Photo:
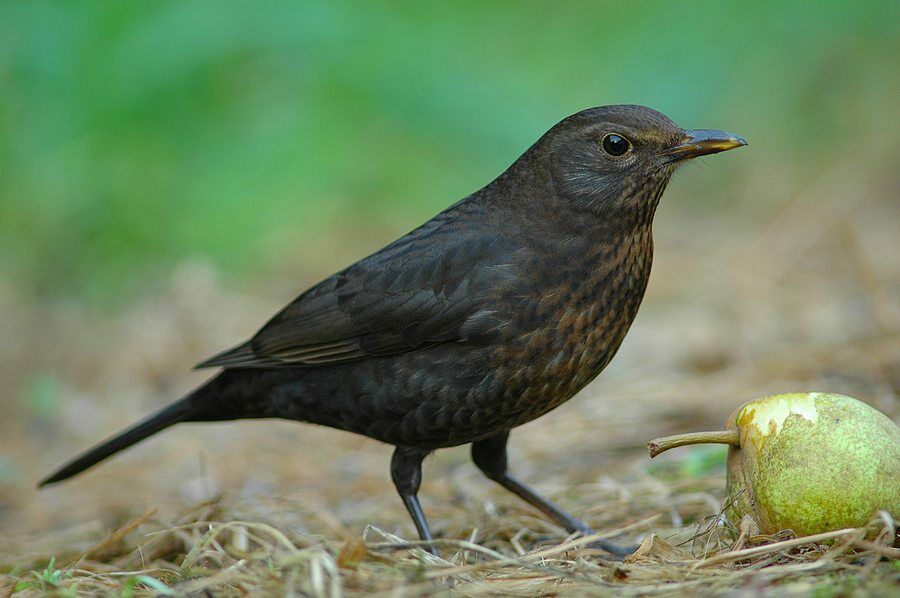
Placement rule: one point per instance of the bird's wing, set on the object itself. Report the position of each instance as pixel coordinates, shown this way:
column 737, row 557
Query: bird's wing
column 428, row 287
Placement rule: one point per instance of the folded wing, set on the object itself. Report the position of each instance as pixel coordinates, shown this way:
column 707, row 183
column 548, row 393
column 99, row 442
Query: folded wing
column 431, row 286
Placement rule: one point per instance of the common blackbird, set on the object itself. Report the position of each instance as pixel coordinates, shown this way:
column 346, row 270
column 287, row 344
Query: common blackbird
column 492, row 313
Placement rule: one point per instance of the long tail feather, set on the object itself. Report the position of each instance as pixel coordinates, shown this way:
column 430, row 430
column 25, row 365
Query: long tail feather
column 174, row 413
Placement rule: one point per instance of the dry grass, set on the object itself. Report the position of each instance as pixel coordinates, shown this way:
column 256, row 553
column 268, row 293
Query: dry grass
column 747, row 304
column 204, row 550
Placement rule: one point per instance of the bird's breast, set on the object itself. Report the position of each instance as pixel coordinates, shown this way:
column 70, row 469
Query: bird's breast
column 568, row 333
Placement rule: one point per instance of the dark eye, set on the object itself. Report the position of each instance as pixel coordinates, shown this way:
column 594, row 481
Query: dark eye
column 615, row 145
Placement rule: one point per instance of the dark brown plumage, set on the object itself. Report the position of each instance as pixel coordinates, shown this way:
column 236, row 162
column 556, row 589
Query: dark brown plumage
column 489, row 315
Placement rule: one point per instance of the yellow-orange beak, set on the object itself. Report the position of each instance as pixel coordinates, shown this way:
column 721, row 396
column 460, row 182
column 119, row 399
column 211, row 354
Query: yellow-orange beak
column 702, row 142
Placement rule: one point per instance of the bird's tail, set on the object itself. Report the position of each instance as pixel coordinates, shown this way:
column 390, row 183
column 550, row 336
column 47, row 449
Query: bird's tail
column 189, row 408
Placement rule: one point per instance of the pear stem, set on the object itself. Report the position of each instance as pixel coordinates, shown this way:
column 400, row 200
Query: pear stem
column 661, row 445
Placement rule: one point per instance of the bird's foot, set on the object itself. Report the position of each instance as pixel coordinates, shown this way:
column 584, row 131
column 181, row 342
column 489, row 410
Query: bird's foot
column 618, row 551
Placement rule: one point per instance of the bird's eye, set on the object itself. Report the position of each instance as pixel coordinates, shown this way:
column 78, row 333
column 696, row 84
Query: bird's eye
column 615, row 145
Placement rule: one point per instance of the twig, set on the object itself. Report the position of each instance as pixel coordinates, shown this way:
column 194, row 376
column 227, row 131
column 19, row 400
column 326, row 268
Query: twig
column 736, row 555
column 661, row 445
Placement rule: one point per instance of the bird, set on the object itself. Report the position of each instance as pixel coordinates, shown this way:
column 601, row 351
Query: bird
column 494, row 312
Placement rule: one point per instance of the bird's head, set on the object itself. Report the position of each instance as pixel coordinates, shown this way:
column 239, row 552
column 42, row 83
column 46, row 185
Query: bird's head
column 622, row 156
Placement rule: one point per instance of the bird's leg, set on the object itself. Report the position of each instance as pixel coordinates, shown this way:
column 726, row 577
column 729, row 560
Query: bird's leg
column 490, row 457
column 406, row 471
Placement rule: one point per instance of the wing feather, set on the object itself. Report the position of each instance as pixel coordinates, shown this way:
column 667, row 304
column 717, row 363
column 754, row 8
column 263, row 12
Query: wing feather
column 417, row 292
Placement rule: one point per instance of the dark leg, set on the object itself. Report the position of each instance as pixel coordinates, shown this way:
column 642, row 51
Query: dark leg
column 490, row 457
column 406, row 471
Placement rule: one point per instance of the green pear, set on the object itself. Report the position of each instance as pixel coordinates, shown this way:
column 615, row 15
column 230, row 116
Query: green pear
column 808, row 462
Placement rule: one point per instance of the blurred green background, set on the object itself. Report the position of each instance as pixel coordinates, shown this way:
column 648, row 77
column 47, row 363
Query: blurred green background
column 135, row 134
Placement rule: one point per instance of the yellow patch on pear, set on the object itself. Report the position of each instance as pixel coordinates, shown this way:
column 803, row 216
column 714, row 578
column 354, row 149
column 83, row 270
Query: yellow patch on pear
column 766, row 416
